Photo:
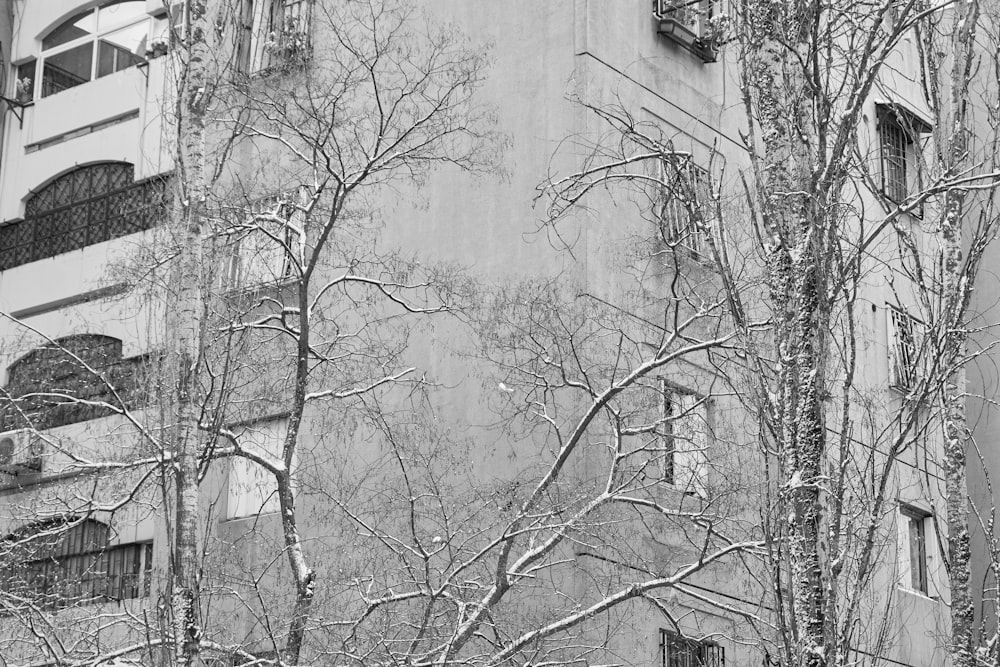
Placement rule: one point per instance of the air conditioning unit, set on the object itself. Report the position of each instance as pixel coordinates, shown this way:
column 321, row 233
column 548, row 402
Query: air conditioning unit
column 21, row 452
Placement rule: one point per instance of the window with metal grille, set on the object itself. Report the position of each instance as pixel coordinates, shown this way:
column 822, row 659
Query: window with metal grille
column 904, row 348
column 71, row 380
column 692, row 14
column 88, row 205
column 900, row 154
column 686, row 204
column 894, row 143
column 67, row 563
column 678, row 651
column 273, row 34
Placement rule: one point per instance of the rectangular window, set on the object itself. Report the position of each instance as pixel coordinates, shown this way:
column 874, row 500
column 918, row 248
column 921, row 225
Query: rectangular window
column 678, row 651
column 899, row 152
column 913, row 547
column 692, row 14
column 252, row 488
column 260, row 249
column 100, row 41
column 113, row 573
column 272, row 34
column 684, row 435
column 686, row 205
column 904, row 349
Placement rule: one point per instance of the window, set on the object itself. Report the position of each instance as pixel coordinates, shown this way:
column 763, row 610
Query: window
column 913, row 548
column 904, row 349
column 55, row 368
column 252, row 489
column 259, row 248
column 899, row 150
column 94, row 43
column 678, row 651
column 68, row 562
column 85, row 206
column 690, row 24
column 686, row 204
column 272, row 34
column 684, row 435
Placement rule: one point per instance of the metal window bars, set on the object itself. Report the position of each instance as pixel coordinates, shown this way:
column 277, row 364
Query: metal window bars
column 102, row 216
column 686, row 201
column 678, row 651
column 692, row 14
column 894, row 141
column 63, row 567
column 904, row 343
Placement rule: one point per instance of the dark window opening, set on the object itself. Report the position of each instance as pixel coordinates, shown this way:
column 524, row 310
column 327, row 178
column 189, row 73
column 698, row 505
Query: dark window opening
column 68, row 562
column 678, row 651
column 52, row 385
column 916, row 536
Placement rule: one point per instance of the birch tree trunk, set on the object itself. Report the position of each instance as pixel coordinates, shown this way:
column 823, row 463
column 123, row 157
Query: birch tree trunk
column 184, row 322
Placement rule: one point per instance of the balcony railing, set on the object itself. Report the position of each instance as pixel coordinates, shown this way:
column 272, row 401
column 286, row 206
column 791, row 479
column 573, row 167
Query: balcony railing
column 134, row 208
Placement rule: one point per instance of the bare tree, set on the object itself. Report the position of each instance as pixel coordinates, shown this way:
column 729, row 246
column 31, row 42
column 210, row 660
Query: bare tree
column 821, row 216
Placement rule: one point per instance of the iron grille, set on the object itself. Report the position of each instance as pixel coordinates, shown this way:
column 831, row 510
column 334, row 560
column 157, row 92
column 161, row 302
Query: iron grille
column 692, row 14
column 52, row 226
column 678, row 651
column 894, row 140
column 74, row 578
column 903, row 331
column 686, row 198
column 29, row 401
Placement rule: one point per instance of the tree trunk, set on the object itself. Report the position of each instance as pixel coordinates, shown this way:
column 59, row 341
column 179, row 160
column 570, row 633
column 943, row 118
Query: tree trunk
column 184, row 342
column 798, row 245
column 956, row 292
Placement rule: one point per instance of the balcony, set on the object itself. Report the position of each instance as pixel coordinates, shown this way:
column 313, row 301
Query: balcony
column 130, row 209
column 690, row 24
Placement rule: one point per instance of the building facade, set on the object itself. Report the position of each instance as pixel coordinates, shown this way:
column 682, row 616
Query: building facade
column 582, row 473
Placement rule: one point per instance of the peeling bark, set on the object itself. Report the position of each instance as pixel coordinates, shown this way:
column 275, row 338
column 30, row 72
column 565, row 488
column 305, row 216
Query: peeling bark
column 184, row 333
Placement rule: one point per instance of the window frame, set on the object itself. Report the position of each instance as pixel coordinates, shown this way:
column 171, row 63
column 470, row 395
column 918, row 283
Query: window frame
column 900, row 165
column 95, row 38
column 917, row 555
column 676, row 650
column 245, row 238
column 684, row 183
column 261, row 47
column 79, row 556
column 685, row 436
column 904, row 340
column 254, row 477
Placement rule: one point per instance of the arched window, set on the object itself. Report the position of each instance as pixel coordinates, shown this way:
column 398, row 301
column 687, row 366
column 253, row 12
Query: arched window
column 79, row 185
column 67, row 561
column 94, row 43
column 85, row 206
column 50, row 387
